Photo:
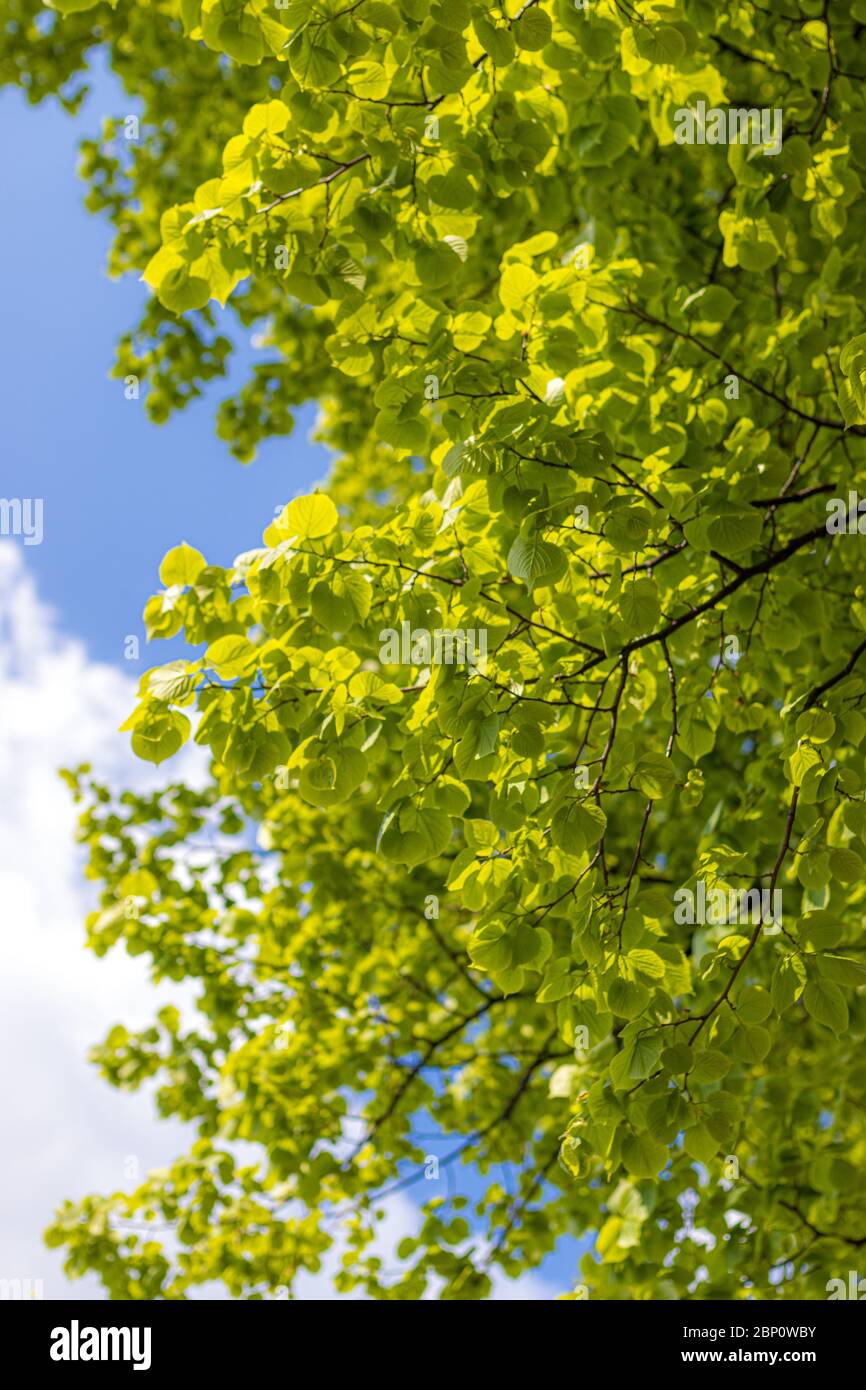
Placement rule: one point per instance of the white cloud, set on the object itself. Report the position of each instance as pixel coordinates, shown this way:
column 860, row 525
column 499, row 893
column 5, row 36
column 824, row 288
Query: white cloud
column 68, row 1132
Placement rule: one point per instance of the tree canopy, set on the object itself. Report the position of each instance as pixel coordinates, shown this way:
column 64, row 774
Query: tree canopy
column 589, row 390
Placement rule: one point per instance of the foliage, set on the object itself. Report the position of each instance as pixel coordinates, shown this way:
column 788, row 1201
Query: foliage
column 590, row 390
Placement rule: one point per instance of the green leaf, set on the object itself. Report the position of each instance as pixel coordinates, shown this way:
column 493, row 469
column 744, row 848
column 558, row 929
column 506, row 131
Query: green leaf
column 172, row 682
column 695, row 738
column 424, row 833
column 660, row 44
column 642, row 1156
column 817, row 725
column 232, row 656
column 535, row 562
column 642, row 1056
column 754, row 1004
column 678, row 1058
column 699, row 1143
column 735, row 531
column 802, row 759
column 626, row 998
column 712, row 304
column 481, row 835
column 825, row 1002
column 788, row 979
column 846, row 865
column 654, row 776
column 182, row 565
column 577, row 826
column 160, row 736
column 639, row 606
column 647, row 962
column 751, row 1044
column 710, row 1065
column 308, row 518
column 533, row 30
column 627, row 528
column 842, row 970
column 180, row 290
column 350, row 768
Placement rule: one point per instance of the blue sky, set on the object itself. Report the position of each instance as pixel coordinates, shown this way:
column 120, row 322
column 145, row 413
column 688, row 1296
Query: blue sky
column 118, row 492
